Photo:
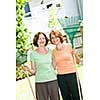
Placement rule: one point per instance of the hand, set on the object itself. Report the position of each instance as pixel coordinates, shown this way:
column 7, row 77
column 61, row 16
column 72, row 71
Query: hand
column 25, row 68
column 73, row 51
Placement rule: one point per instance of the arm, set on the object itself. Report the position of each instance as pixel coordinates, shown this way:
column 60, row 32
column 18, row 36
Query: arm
column 32, row 70
column 77, row 58
column 53, row 62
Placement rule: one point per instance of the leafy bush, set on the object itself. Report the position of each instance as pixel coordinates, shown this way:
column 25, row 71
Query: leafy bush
column 22, row 35
column 19, row 73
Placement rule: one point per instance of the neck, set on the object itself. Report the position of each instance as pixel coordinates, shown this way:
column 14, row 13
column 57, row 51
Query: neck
column 42, row 50
column 59, row 46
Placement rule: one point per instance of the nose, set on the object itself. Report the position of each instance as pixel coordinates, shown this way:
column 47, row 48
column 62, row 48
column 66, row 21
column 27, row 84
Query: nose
column 42, row 39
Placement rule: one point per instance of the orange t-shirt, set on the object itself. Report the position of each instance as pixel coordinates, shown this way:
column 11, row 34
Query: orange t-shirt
column 64, row 60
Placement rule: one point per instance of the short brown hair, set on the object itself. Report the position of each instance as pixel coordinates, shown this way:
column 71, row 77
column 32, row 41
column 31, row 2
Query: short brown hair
column 57, row 34
column 36, row 37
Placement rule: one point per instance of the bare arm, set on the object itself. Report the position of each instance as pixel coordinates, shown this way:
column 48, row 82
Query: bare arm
column 32, row 70
column 53, row 62
column 77, row 58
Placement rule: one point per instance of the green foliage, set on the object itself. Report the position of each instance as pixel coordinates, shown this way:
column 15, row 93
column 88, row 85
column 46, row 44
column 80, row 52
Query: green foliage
column 21, row 2
column 21, row 31
column 22, row 35
column 19, row 73
column 53, row 22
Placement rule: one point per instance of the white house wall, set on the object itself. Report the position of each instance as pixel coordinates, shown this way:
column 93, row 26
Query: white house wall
column 71, row 7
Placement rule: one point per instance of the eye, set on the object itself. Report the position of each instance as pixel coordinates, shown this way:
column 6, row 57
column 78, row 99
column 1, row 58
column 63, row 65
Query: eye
column 52, row 37
column 43, row 38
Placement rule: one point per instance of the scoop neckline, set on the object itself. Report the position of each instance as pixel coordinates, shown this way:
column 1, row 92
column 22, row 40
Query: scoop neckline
column 42, row 54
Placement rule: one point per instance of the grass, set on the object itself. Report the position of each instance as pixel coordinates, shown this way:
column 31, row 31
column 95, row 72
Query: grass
column 23, row 90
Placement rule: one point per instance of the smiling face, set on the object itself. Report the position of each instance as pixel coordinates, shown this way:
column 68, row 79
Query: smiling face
column 55, row 40
column 41, row 40
column 56, row 37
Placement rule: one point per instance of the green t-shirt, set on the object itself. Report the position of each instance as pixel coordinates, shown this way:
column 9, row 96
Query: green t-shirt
column 44, row 69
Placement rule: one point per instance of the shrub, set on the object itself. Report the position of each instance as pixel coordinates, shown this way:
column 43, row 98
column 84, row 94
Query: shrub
column 22, row 43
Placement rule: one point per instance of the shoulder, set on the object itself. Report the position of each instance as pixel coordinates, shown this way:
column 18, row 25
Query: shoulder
column 32, row 52
column 54, row 50
column 50, row 50
column 67, row 45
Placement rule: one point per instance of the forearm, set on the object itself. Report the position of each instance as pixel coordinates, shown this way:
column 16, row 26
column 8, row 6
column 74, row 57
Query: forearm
column 54, row 62
column 32, row 71
column 54, row 67
column 77, row 58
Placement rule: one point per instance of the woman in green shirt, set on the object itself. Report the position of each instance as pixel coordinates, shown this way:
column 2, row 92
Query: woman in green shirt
column 41, row 66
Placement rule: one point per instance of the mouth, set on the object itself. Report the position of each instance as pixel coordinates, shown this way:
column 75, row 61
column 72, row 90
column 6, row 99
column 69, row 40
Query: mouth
column 41, row 42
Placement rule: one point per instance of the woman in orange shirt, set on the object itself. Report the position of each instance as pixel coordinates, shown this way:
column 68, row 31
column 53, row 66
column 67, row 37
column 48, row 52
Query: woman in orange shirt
column 65, row 65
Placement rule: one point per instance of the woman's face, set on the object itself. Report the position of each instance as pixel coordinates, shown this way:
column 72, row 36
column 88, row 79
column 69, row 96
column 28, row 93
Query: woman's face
column 41, row 40
column 55, row 40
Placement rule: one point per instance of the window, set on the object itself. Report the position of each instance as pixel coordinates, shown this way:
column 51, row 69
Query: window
column 27, row 10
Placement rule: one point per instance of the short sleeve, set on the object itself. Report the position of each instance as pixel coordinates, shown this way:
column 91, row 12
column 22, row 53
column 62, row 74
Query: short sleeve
column 50, row 50
column 32, row 56
column 69, row 47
